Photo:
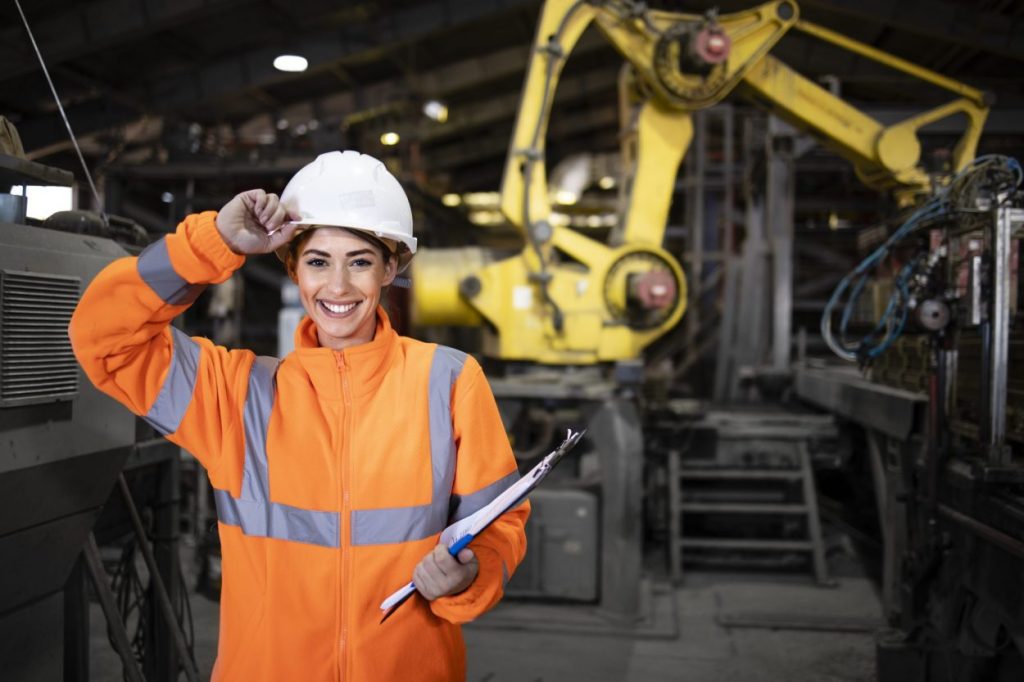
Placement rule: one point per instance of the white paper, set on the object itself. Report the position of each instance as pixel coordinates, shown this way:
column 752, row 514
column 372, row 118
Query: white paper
column 475, row 523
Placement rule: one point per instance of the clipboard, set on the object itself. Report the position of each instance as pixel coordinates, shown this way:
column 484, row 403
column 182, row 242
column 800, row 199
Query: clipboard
column 458, row 535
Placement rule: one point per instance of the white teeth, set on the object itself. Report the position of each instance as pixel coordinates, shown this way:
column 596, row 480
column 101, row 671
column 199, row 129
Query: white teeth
column 338, row 308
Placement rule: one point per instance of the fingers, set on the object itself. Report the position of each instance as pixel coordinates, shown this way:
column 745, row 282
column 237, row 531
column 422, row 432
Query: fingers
column 273, row 213
column 439, row 573
column 282, row 236
column 253, row 200
column 265, row 209
column 427, row 580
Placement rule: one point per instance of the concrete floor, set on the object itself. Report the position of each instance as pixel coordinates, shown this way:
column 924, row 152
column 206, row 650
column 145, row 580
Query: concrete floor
column 703, row 650
column 697, row 648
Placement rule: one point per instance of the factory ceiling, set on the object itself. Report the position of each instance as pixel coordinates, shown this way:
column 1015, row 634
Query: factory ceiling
column 163, row 92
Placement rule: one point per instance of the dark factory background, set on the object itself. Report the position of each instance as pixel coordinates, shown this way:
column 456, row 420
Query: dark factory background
column 768, row 255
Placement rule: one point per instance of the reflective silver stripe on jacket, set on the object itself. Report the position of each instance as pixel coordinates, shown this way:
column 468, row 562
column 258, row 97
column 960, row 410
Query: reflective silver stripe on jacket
column 180, row 383
column 155, row 269
column 402, row 524
column 252, row 510
column 467, row 505
column 258, row 516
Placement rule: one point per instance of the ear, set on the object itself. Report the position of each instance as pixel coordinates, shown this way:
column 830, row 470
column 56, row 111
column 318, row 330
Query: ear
column 390, row 270
column 289, row 267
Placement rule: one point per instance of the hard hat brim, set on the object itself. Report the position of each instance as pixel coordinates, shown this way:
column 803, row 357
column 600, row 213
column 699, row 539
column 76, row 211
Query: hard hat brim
column 410, row 242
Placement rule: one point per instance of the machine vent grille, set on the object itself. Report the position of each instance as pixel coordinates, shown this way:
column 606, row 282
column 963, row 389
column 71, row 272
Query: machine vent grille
column 36, row 362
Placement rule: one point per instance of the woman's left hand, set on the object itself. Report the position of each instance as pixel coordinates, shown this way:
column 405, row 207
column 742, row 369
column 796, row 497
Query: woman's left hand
column 439, row 574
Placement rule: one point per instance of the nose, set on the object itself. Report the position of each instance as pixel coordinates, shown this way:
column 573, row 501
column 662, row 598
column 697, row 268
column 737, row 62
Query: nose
column 339, row 282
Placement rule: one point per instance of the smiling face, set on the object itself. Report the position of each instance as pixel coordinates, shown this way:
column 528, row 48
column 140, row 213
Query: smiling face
column 340, row 277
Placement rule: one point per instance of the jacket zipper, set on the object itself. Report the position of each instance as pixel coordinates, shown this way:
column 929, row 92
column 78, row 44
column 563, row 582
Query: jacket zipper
column 346, row 530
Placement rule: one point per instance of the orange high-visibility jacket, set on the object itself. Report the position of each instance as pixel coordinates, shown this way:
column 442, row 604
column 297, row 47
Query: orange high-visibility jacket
column 334, row 471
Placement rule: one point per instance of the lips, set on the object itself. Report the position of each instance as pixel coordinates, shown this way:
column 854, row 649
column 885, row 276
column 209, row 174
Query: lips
column 337, row 309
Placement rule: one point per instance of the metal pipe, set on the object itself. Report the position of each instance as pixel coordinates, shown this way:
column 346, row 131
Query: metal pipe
column 996, row 537
column 163, row 600
column 999, row 324
column 119, row 635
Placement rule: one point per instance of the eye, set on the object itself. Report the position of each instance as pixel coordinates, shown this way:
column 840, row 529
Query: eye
column 362, row 262
column 316, row 262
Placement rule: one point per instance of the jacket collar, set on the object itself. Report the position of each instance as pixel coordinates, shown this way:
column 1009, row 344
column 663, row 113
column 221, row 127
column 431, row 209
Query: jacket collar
column 365, row 364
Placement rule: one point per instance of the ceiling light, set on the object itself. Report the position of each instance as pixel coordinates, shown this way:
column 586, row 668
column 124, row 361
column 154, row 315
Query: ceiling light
column 482, row 199
column 566, row 197
column 389, row 139
column 451, row 199
column 436, row 111
column 291, row 63
column 606, row 182
column 486, row 217
column 167, row 198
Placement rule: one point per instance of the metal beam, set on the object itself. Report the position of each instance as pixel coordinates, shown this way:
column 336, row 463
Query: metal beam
column 255, row 68
column 469, row 74
column 950, row 22
column 252, row 72
column 90, row 27
column 504, row 107
column 496, row 146
column 91, row 116
column 207, row 169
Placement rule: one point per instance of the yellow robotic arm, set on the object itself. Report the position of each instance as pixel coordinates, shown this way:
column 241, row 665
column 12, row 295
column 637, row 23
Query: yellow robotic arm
column 569, row 299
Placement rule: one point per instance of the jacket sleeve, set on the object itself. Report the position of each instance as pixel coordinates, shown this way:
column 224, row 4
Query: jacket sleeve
column 485, row 467
column 189, row 389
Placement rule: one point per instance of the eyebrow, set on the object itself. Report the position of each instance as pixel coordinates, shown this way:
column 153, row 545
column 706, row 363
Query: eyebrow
column 318, row 252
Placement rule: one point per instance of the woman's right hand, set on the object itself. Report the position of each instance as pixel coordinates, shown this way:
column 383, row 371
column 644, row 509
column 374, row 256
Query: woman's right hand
column 255, row 222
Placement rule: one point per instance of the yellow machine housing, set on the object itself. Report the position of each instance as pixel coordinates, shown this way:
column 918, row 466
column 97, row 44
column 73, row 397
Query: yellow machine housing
column 566, row 297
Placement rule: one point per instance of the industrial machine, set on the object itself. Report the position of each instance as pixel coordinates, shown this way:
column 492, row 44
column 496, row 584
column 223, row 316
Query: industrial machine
column 568, row 318
column 941, row 419
column 568, row 299
column 63, row 442
column 64, row 448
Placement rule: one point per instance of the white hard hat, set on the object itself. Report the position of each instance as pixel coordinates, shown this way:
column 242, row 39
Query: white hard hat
column 355, row 191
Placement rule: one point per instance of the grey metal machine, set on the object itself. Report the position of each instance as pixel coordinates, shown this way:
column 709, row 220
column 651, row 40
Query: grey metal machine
column 63, row 444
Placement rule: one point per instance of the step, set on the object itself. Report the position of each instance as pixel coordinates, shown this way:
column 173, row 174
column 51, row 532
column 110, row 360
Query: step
column 745, row 544
column 742, row 508
column 721, row 474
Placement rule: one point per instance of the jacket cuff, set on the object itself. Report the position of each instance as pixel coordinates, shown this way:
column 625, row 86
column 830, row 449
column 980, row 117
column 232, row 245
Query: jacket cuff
column 199, row 253
column 483, row 593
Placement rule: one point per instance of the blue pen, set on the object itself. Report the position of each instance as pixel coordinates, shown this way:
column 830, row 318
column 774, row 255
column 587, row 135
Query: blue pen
column 453, row 550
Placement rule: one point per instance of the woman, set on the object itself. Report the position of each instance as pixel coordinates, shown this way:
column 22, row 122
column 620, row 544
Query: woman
column 334, row 469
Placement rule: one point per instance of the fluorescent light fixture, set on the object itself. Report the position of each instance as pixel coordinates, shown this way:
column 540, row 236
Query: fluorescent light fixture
column 44, row 200
column 486, row 217
column 451, row 199
column 436, row 111
column 292, row 63
column 559, row 219
column 482, row 199
column 565, row 197
column 389, row 139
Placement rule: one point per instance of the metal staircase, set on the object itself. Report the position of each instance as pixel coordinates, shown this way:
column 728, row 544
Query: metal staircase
column 761, row 513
